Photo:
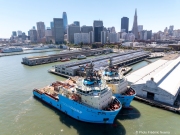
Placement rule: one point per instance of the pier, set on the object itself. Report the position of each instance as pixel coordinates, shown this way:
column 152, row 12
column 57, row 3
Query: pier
column 175, row 109
column 33, row 61
column 118, row 59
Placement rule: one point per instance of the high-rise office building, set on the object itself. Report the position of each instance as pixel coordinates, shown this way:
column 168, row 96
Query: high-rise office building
column 125, row 24
column 91, row 37
column 23, row 36
column 52, row 25
column 65, row 22
column 111, row 29
column 58, row 30
column 40, row 30
column 48, row 34
column 77, row 23
column 81, row 37
column 97, row 34
column 86, row 29
column 149, row 35
column 135, row 26
column 140, row 28
column 113, row 37
column 33, row 35
column 14, row 34
column 97, row 23
column 103, row 37
column 171, row 28
column 19, row 33
column 97, row 28
column 70, row 32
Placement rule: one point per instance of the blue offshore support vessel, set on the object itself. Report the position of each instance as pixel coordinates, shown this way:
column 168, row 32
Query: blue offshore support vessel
column 118, row 84
column 86, row 99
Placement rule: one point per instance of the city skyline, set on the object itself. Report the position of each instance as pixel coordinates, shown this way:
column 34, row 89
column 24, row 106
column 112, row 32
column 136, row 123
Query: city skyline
column 147, row 16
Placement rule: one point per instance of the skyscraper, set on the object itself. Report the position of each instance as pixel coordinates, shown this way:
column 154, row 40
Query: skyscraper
column 140, row 28
column 125, row 24
column 52, row 25
column 14, row 33
column 58, row 30
column 86, row 29
column 65, row 22
column 97, row 27
column 33, row 35
column 135, row 26
column 70, row 32
column 40, row 30
column 103, row 37
column 77, row 23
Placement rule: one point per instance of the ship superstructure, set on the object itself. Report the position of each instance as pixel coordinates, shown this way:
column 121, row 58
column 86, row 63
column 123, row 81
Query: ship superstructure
column 86, row 99
column 118, row 84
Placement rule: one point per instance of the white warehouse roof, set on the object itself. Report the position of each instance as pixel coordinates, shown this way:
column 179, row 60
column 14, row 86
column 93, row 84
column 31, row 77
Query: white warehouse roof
column 165, row 74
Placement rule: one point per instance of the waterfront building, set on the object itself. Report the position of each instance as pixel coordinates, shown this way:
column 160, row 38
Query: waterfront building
column 14, row 34
column 58, row 31
column 103, row 37
column 77, row 23
column 65, row 22
column 158, row 80
column 135, row 26
column 125, row 24
column 140, row 28
column 86, row 29
column 70, row 32
column 81, row 37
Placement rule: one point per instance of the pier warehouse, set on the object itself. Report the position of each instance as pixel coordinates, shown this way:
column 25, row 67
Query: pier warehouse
column 159, row 80
column 120, row 59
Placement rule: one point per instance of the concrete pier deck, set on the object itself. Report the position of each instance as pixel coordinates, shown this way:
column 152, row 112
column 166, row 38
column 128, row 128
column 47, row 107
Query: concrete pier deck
column 118, row 59
column 33, row 61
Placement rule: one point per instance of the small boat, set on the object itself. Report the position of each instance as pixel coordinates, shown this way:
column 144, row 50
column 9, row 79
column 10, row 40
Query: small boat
column 65, row 59
column 81, row 57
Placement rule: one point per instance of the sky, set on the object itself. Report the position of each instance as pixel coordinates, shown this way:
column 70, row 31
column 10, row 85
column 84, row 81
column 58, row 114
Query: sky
column 154, row 15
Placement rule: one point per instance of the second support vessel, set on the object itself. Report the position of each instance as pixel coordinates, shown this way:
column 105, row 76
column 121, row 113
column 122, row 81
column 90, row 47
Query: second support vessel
column 118, row 83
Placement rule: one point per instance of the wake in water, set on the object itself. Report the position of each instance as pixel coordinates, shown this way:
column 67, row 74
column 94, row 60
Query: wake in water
column 25, row 108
